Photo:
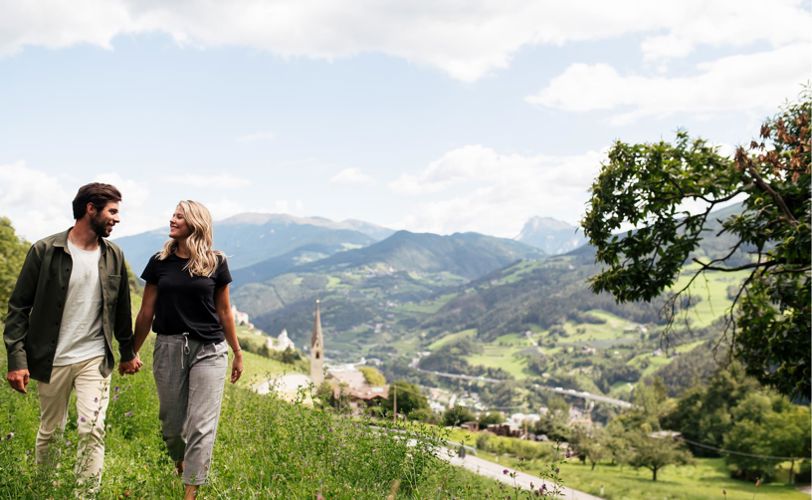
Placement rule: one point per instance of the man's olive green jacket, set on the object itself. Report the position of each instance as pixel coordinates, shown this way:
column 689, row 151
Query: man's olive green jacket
column 37, row 302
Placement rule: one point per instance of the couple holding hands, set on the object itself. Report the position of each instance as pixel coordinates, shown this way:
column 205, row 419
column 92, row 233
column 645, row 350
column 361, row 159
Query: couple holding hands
column 72, row 296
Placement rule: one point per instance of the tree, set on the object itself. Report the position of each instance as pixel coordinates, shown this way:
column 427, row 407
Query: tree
column 408, row 395
column 490, row 418
column 590, row 444
column 655, row 452
column 704, row 413
column 457, row 415
column 768, row 430
column 372, row 375
column 645, row 186
column 12, row 255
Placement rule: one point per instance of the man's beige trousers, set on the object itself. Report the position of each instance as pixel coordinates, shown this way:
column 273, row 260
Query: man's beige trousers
column 92, row 397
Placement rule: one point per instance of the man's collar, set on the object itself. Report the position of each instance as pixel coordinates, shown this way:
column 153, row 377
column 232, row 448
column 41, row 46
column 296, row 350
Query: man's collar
column 61, row 240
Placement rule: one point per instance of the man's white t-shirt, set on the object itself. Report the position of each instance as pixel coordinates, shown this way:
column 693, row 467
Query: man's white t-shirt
column 80, row 335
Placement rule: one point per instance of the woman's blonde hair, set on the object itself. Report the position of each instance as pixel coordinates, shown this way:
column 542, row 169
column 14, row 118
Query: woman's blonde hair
column 203, row 260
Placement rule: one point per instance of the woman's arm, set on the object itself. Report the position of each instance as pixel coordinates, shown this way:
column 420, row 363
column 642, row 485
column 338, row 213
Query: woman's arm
column 143, row 322
column 223, row 305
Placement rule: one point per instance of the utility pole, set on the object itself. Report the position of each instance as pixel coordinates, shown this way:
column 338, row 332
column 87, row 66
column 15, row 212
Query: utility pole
column 395, row 406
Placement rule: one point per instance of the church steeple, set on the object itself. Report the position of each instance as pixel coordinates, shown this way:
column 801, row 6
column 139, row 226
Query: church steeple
column 317, row 350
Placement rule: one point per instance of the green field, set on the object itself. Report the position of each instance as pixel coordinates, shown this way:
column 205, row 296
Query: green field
column 451, row 338
column 711, row 288
column 504, row 357
column 704, row 480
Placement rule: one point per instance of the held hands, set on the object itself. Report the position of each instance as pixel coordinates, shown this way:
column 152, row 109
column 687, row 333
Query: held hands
column 130, row 367
column 18, row 380
column 236, row 367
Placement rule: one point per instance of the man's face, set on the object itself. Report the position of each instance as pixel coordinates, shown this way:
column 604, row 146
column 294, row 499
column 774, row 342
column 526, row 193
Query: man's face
column 103, row 221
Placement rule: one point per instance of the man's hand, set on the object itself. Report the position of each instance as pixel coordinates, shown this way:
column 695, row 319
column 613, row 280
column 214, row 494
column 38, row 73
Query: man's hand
column 18, row 380
column 130, row 367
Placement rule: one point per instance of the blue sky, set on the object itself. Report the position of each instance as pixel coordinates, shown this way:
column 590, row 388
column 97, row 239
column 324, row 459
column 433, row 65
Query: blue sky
column 437, row 116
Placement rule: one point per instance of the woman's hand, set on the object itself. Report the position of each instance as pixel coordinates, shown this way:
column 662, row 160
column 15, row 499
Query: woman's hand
column 236, row 367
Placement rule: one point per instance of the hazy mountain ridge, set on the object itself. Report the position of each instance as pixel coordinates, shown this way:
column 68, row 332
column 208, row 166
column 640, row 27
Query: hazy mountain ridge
column 251, row 238
column 551, row 235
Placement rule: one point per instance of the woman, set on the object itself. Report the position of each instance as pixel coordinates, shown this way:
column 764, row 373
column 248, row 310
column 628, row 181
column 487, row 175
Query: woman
column 186, row 302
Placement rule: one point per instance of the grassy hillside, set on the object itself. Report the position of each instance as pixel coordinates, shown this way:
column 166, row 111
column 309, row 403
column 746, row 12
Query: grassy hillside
column 265, row 449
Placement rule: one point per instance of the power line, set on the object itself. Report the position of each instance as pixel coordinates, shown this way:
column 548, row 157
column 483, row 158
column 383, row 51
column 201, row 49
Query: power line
column 731, row 452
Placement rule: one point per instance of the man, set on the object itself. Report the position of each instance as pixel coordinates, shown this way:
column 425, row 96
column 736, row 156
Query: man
column 71, row 297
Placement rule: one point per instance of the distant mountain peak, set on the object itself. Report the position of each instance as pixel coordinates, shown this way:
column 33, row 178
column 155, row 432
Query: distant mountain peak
column 551, row 235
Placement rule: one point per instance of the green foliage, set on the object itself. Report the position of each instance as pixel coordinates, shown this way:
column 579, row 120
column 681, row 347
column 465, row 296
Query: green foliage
column 654, row 453
column 458, row 415
column 591, row 444
column 424, row 415
column 490, row 418
column 409, row 398
column 12, row 255
column 766, row 425
column 704, row 414
column 519, row 448
column 734, row 413
column 372, row 375
column 645, row 186
column 265, row 448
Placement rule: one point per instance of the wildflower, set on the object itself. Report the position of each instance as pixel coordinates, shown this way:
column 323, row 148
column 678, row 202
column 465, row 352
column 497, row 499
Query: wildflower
column 115, row 398
column 128, row 414
column 117, row 388
column 319, row 496
column 504, row 471
column 82, row 419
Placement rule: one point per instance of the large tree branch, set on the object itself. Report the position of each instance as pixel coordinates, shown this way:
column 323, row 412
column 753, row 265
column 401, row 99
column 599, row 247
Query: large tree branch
column 752, row 265
column 763, row 185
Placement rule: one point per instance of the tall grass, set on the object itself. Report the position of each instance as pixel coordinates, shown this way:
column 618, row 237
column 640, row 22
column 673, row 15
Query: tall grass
column 265, row 448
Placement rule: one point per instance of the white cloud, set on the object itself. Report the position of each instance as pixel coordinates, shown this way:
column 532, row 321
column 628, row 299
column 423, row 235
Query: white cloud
column 36, row 202
column 758, row 82
column 262, row 135
column 486, row 191
column 466, row 40
column 137, row 213
column 352, row 177
column 218, row 181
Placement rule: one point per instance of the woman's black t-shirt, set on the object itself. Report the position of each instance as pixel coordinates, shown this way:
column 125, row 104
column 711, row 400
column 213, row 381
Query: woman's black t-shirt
column 186, row 303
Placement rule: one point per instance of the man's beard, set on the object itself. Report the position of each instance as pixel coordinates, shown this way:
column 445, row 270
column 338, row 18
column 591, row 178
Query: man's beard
column 99, row 226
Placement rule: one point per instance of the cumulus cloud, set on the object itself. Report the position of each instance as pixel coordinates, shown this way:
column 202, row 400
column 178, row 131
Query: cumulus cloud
column 758, row 82
column 465, row 40
column 352, row 177
column 36, row 203
column 39, row 203
column 475, row 188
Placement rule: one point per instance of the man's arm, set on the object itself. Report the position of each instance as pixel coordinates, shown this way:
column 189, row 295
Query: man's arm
column 17, row 321
column 123, row 328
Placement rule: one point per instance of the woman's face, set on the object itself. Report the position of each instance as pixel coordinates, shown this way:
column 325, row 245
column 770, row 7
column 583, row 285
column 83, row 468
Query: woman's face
column 178, row 227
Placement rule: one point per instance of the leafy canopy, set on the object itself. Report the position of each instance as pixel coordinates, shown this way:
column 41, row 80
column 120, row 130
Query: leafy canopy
column 12, row 255
column 646, row 187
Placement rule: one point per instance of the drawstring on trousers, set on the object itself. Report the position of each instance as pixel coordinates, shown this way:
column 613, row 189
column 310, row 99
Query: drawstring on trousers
column 185, row 350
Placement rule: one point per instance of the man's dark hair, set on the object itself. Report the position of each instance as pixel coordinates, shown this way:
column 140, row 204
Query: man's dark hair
column 98, row 194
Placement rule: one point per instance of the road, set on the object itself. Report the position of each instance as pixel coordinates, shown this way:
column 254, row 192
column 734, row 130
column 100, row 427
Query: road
column 495, row 471
column 566, row 392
